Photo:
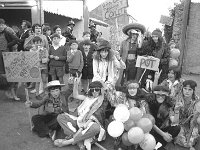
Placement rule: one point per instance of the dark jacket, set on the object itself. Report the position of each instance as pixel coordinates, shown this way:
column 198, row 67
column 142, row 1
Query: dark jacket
column 11, row 39
column 45, row 108
column 22, row 37
column 87, row 71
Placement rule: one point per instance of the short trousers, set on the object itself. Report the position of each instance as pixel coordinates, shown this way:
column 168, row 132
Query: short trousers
column 56, row 71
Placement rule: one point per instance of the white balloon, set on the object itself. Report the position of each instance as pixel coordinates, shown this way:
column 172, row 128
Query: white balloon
column 135, row 135
column 115, row 128
column 121, row 113
column 149, row 142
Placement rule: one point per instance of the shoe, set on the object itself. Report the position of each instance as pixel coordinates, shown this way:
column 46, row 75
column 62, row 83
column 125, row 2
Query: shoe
column 38, row 97
column 52, row 135
column 33, row 91
column 16, row 98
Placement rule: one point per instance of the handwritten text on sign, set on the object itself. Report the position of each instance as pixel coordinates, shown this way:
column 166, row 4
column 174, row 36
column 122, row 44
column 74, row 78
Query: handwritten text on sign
column 148, row 62
column 113, row 8
column 22, row 66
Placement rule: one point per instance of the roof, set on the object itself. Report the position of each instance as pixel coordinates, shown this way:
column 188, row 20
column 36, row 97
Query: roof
column 65, row 8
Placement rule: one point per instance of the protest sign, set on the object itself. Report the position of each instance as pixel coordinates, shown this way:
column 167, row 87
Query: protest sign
column 22, row 66
column 113, row 8
column 166, row 20
column 148, row 62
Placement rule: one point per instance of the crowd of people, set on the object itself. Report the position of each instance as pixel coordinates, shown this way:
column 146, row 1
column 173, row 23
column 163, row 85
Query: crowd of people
column 103, row 73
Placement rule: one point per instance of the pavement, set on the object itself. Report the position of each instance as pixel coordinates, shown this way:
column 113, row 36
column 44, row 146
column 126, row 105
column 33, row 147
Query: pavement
column 15, row 133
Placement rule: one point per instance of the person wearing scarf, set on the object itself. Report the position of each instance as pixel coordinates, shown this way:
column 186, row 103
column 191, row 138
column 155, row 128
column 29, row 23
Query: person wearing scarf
column 186, row 113
column 83, row 129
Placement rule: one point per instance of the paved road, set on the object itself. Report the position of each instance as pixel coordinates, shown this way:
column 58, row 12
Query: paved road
column 15, row 131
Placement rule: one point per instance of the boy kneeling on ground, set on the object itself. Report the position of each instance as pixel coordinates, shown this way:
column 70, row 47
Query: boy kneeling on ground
column 45, row 124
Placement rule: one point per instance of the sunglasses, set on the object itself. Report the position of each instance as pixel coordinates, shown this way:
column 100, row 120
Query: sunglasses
column 95, row 89
column 161, row 95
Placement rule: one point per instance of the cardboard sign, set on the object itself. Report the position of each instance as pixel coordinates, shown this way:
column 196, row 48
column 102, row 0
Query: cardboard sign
column 22, row 66
column 113, row 8
column 148, row 62
column 166, row 20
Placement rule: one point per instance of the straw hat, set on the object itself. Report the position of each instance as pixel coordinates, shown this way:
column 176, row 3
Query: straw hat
column 54, row 83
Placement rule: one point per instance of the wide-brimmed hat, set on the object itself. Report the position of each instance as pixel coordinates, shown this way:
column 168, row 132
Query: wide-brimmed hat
column 87, row 42
column 103, row 44
column 136, row 26
column 54, row 83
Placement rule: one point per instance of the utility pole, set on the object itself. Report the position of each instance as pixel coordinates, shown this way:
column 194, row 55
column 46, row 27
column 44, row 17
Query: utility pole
column 85, row 15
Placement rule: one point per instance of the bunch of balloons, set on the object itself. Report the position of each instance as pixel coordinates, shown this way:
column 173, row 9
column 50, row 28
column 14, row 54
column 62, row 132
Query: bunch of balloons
column 133, row 126
column 174, row 55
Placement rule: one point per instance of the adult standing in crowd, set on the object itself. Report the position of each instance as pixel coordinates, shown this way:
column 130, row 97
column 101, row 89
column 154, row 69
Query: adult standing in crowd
column 156, row 47
column 57, row 29
column 24, row 33
column 93, row 32
column 68, row 33
column 37, row 29
column 7, row 41
column 47, row 33
column 106, row 64
column 129, row 50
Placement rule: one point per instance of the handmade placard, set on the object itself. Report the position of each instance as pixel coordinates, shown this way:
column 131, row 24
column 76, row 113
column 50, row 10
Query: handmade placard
column 22, row 66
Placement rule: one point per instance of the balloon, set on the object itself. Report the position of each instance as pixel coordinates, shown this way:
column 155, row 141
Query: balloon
column 129, row 124
column 115, row 128
column 150, row 117
column 135, row 114
column 125, row 140
column 145, row 124
column 149, row 142
column 175, row 53
column 135, row 135
column 173, row 62
column 121, row 113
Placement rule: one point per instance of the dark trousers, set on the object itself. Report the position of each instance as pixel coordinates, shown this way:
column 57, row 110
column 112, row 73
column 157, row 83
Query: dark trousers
column 43, row 124
column 173, row 130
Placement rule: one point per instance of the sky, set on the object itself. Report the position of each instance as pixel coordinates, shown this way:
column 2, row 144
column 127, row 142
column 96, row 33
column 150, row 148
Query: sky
column 147, row 12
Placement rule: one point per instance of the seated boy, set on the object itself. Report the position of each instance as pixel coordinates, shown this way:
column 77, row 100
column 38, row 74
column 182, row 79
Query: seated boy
column 52, row 105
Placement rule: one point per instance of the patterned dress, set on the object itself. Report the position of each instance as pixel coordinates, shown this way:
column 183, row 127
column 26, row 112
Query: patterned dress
column 187, row 120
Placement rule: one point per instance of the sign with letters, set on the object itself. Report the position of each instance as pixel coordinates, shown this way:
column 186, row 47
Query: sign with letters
column 113, row 8
column 22, row 66
column 148, row 62
column 166, row 20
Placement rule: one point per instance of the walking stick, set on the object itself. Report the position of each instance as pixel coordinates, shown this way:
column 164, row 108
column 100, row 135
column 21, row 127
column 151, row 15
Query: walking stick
column 28, row 109
column 98, row 145
column 142, row 76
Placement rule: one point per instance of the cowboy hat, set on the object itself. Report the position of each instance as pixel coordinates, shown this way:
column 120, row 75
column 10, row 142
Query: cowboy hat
column 54, row 83
column 136, row 26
